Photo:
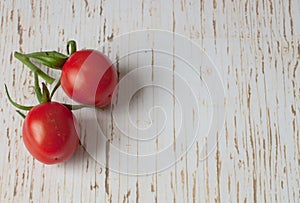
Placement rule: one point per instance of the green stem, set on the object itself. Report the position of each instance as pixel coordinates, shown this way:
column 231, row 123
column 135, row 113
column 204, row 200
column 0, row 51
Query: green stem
column 25, row 60
column 37, row 88
column 77, row 107
column 71, row 47
column 55, row 88
column 19, row 106
column 21, row 114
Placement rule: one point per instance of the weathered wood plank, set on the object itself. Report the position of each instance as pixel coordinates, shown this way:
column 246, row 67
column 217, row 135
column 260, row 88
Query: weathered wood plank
column 256, row 47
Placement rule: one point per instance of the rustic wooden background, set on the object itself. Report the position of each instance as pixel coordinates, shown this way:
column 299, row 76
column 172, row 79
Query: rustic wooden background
column 256, row 45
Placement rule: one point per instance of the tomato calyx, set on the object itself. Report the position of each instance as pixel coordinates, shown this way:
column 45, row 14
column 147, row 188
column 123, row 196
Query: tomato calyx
column 43, row 95
column 26, row 61
column 51, row 59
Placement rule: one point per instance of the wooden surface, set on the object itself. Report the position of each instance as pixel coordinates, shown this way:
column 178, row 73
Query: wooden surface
column 256, row 48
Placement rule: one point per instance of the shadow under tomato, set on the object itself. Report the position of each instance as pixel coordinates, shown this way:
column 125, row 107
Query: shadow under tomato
column 98, row 130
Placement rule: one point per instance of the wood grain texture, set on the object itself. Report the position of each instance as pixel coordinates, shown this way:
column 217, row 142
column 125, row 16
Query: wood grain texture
column 255, row 44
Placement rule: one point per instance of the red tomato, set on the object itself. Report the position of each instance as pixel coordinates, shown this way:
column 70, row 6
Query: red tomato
column 89, row 77
column 49, row 132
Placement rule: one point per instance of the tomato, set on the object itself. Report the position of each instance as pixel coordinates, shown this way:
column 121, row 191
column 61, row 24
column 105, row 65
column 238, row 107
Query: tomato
column 89, row 77
column 50, row 132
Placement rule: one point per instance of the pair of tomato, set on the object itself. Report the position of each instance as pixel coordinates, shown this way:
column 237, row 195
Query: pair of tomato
column 50, row 130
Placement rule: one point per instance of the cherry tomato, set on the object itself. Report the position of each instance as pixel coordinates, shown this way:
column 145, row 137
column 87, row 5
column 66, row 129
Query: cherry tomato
column 50, row 132
column 89, row 77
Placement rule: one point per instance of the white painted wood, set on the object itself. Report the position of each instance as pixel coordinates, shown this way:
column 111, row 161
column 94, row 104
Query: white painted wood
column 254, row 44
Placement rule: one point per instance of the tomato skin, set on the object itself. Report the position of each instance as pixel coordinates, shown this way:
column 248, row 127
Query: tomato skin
column 89, row 77
column 50, row 133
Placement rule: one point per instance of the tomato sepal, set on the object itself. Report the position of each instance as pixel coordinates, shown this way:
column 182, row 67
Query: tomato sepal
column 15, row 104
column 45, row 94
column 51, row 59
column 26, row 61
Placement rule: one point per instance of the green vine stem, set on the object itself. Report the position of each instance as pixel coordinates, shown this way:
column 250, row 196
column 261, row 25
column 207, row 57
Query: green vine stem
column 55, row 88
column 21, row 114
column 71, row 47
